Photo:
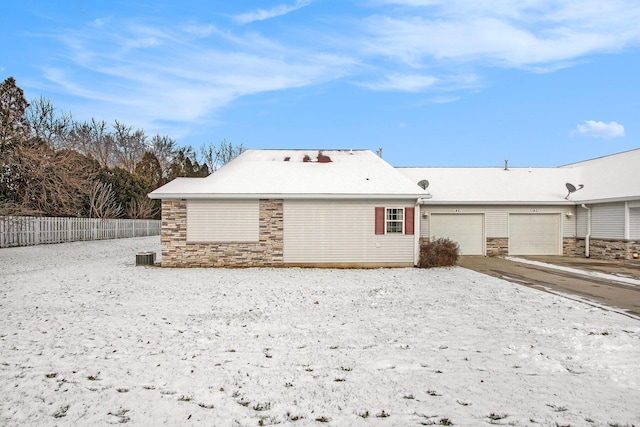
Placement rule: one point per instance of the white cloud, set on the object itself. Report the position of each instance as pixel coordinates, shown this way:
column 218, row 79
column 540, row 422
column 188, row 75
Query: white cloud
column 525, row 34
column 403, row 83
column 100, row 22
column 599, row 129
column 150, row 76
column 444, row 99
column 201, row 31
column 185, row 72
column 262, row 14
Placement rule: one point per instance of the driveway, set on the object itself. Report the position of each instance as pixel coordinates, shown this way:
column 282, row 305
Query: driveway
column 614, row 284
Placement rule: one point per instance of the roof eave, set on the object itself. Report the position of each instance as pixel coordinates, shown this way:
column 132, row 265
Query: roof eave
column 608, row 200
column 296, row 196
column 501, row 202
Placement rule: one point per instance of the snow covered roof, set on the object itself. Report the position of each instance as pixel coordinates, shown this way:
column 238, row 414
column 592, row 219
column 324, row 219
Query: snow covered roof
column 298, row 174
column 494, row 185
column 362, row 174
column 610, row 178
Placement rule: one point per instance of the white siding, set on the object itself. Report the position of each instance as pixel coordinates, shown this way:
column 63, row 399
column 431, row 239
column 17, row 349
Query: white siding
column 496, row 222
column 607, row 221
column 634, row 223
column 582, row 221
column 467, row 230
column 424, row 222
column 222, row 221
column 534, row 234
column 341, row 232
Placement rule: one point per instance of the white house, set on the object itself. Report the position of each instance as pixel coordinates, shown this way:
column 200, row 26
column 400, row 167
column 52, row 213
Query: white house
column 351, row 208
column 292, row 207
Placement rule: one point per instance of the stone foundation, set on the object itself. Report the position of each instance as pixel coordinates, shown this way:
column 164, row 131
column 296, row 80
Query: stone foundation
column 609, row 249
column 497, row 246
column 570, row 246
column 267, row 252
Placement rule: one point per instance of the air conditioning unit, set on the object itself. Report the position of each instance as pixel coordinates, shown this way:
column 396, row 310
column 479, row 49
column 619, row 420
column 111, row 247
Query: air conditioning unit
column 146, row 258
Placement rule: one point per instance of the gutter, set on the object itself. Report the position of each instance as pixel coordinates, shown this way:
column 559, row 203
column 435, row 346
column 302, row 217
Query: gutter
column 417, row 232
column 497, row 203
column 285, row 196
column 587, row 238
column 425, row 199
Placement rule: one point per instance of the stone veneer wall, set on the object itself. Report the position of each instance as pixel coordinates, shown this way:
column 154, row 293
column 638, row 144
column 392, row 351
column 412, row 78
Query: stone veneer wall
column 570, row 246
column 608, row 249
column 497, row 246
column 177, row 252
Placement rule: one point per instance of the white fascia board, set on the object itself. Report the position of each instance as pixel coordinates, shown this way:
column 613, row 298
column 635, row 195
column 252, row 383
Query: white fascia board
column 173, row 196
column 501, row 202
column 610, row 200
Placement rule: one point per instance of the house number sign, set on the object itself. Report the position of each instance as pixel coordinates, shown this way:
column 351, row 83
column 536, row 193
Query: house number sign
column 457, row 210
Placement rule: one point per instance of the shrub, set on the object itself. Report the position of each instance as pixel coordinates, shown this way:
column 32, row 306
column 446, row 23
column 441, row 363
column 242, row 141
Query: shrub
column 441, row 252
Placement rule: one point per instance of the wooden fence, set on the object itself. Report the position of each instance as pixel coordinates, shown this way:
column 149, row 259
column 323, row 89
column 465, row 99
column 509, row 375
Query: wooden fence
column 26, row 231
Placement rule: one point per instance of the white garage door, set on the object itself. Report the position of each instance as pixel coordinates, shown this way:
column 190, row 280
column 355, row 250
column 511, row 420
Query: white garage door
column 465, row 229
column 534, row 234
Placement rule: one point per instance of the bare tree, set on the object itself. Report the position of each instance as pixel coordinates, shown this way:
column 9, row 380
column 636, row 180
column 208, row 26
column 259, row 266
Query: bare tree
column 217, row 156
column 93, row 139
column 103, row 202
column 47, row 125
column 165, row 151
column 130, row 146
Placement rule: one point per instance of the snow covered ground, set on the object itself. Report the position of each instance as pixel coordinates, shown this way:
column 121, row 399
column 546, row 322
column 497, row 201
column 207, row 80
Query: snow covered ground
column 88, row 338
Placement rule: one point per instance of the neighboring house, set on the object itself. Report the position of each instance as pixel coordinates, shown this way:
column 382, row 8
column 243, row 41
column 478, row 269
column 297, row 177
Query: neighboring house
column 350, row 208
column 499, row 211
column 608, row 207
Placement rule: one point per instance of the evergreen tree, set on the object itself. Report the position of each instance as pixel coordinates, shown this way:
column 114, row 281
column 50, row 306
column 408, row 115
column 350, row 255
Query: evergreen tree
column 14, row 127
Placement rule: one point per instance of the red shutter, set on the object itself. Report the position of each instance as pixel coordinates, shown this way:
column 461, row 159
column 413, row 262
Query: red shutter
column 379, row 220
column 408, row 220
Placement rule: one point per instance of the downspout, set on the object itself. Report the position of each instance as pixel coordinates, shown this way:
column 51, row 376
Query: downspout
column 587, row 238
column 417, row 232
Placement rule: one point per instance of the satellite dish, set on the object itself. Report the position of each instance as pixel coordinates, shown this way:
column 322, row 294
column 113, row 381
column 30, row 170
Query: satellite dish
column 423, row 184
column 572, row 188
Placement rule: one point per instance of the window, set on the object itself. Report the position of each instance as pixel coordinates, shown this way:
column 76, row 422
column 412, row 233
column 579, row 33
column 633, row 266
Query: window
column 394, row 220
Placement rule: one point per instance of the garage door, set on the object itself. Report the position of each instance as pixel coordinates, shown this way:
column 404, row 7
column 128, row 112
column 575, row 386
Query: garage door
column 465, row 229
column 534, row 234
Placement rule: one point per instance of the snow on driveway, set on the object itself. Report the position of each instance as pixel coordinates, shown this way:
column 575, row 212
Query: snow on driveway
column 88, row 338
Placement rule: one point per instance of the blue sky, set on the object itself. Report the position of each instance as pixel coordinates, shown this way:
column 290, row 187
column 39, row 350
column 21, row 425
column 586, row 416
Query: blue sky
column 433, row 82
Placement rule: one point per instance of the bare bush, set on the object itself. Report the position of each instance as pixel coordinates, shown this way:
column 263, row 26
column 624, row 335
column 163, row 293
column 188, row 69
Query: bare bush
column 440, row 252
column 39, row 180
column 103, row 202
column 141, row 208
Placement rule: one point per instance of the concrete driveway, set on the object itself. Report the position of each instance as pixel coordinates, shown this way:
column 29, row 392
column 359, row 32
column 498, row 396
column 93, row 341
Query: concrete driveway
column 614, row 284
